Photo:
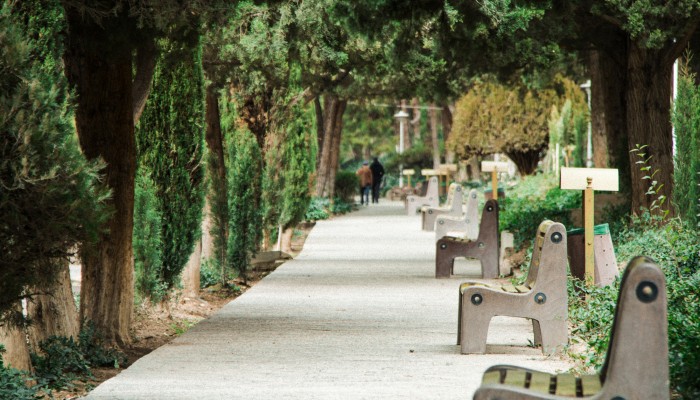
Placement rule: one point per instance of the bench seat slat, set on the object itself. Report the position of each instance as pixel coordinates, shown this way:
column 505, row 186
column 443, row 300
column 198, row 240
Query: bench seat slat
column 566, row 385
column 523, row 288
column 509, row 289
column 491, row 378
column 540, row 382
column 515, row 377
column 590, row 384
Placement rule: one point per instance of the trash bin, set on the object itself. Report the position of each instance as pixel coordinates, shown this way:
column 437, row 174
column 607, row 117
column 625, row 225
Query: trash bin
column 605, row 263
column 488, row 193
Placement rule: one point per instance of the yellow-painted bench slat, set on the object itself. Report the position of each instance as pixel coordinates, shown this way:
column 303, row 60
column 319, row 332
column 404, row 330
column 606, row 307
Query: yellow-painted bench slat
column 540, row 382
column 491, row 378
column 515, row 377
column 509, row 289
column 523, row 288
column 590, row 384
column 566, row 385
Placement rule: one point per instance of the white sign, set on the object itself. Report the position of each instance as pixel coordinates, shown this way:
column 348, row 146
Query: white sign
column 409, row 172
column 490, row 166
column 606, row 179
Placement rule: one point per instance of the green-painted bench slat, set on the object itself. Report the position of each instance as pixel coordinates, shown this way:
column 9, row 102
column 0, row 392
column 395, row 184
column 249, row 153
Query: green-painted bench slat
column 540, row 382
column 515, row 377
column 590, row 384
column 566, row 385
column 491, row 378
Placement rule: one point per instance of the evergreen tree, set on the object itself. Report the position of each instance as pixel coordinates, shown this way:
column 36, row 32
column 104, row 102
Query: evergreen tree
column 169, row 142
column 244, row 186
column 148, row 244
column 50, row 196
column 686, row 120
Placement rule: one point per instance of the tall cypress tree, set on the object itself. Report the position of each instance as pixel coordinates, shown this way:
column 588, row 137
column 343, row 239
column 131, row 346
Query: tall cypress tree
column 686, row 120
column 169, row 142
column 50, row 197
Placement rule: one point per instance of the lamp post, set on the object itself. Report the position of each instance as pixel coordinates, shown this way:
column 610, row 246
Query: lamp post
column 589, row 148
column 402, row 116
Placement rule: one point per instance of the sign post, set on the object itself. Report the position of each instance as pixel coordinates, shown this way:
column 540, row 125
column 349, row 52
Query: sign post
column 588, row 180
column 408, row 173
column 494, row 167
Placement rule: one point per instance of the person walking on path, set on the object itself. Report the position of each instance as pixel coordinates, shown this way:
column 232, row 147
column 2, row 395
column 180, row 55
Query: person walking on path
column 365, row 176
column 377, row 174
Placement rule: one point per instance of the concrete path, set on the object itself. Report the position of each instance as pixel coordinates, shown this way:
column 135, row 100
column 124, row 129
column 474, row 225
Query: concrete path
column 357, row 315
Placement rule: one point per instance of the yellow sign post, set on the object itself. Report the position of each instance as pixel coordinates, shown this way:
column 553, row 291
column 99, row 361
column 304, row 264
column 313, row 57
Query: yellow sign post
column 409, row 173
column 588, row 180
column 494, row 167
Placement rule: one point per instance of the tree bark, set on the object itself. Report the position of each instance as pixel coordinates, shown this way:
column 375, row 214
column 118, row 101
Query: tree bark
column 526, row 161
column 218, row 189
column 415, row 122
column 98, row 62
column 53, row 313
column 207, row 238
column 435, row 144
column 648, row 100
column 16, row 350
column 286, row 242
column 447, row 110
column 146, row 56
column 190, row 274
column 407, row 129
column 331, row 103
column 320, row 133
column 335, row 146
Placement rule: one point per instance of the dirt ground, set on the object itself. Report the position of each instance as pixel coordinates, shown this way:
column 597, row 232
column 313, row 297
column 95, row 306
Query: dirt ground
column 154, row 326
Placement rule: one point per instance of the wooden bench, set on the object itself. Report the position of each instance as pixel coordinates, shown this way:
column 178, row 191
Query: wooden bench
column 542, row 298
column 467, row 224
column 431, row 198
column 484, row 248
column 452, row 207
column 636, row 365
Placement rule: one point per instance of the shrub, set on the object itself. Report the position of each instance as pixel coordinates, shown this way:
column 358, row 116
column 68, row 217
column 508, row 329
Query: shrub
column 532, row 201
column 95, row 351
column 317, row 209
column 13, row 383
column 346, row 185
column 60, row 362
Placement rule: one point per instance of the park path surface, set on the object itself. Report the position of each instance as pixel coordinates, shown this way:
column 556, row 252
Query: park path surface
column 357, row 315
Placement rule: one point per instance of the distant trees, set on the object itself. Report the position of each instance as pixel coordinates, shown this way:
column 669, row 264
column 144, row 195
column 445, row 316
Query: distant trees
column 514, row 120
column 686, row 120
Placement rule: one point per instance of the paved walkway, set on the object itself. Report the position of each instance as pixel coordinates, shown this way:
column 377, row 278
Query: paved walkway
column 357, row 315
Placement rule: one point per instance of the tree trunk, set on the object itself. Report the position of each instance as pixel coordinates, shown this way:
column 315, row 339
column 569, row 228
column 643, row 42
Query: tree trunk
column 434, row 121
column 608, row 115
column 331, row 103
column 447, row 110
column 648, row 100
column 335, row 146
column 526, row 161
column 53, row 313
column 406, row 129
column 286, row 242
column 14, row 339
column 475, row 169
column 415, row 122
column 146, row 56
column 320, row 133
column 218, row 188
column 99, row 65
column 190, row 274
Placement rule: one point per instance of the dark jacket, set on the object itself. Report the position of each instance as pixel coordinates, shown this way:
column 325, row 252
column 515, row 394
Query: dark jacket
column 377, row 171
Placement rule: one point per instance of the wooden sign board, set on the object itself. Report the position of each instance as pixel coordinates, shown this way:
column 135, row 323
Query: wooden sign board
column 490, row 166
column 606, row 179
column 409, row 172
column 449, row 167
column 428, row 172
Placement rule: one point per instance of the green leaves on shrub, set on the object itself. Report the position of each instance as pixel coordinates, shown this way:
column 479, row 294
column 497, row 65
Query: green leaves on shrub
column 14, row 383
column 59, row 363
column 347, row 185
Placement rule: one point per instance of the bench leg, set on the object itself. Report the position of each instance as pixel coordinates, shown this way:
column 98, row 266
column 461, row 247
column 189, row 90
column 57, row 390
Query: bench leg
column 552, row 335
column 489, row 264
column 474, row 327
column 444, row 260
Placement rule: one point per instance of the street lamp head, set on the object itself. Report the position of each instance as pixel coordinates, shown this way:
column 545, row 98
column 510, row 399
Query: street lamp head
column 401, row 114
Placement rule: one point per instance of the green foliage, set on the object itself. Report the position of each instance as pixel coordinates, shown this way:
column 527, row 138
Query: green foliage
column 51, row 198
column 59, row 362
column 535, row 199
column 14, row 384
column 147, row 240
column 654, row 189
column 318, row 209
column 244, row 185
column 169, row 142
column 209, row 273
column 95, row 351
column 676, row 248
column 346, row 185
column 686, row 120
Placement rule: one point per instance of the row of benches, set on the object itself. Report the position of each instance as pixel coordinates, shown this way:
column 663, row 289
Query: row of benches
column 636, row 366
